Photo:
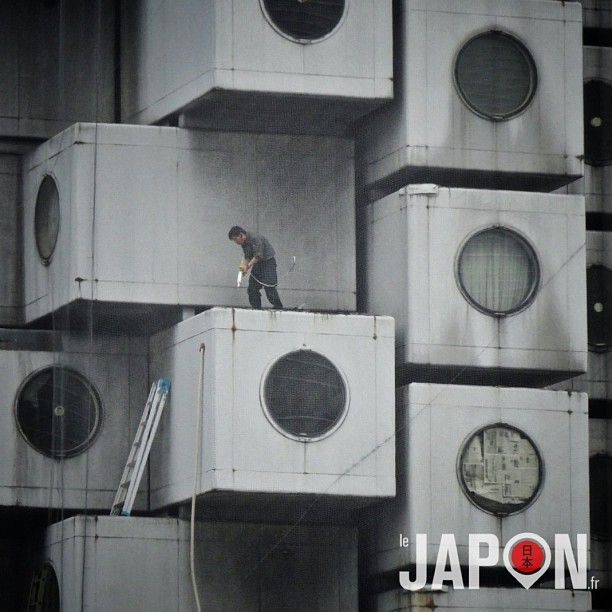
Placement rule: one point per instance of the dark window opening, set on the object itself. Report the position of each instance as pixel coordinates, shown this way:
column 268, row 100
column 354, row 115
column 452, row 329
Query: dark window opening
column 46, row 219
column 598, row 222
column 598, row 123
column 600, row 408
column 599, row 307
column 596, row 37
column 306, row 20
column 600, row 496
column 58, row 412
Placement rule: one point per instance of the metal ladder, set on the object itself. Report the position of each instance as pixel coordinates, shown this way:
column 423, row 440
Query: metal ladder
column 139, row 453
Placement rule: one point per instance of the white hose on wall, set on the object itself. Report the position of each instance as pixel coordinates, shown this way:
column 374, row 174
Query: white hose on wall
column 196, row 476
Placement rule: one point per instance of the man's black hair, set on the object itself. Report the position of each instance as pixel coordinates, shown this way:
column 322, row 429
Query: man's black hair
column 235, row 231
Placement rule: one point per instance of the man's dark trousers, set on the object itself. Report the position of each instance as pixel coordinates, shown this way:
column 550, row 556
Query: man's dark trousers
column 263, row 274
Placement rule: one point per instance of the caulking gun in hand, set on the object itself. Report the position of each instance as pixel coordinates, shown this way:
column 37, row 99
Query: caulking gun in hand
column 244, row 269
column 241, row 272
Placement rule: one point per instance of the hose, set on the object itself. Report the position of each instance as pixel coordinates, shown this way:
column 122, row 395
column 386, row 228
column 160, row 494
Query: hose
column 275, row 284
column 196, row 476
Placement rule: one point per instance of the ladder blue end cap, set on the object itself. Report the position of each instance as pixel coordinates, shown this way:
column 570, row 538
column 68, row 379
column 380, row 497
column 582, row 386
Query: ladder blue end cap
column 163, row 385
column 124, row 513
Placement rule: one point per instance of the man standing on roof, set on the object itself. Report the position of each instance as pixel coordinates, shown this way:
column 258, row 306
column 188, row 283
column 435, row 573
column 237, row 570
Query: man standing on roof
column 259, row 259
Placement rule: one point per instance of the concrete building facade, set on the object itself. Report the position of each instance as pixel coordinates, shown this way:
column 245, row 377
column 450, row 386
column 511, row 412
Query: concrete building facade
column 433, row 176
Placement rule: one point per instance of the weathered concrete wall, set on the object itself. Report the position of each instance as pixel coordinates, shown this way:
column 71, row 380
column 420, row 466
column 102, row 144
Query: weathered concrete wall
column 177, row 53
column 57, row 65
column 244, row 450
column 117, row 369
column 117, row 563
column 145, row 212
column 11, row 279
column 428, row 134
column 411, row 244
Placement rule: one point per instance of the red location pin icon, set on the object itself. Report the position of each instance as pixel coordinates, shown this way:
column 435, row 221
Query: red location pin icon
column 527, row 557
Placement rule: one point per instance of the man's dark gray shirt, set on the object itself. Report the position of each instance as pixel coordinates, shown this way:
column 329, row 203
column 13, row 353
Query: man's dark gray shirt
column 257, row 246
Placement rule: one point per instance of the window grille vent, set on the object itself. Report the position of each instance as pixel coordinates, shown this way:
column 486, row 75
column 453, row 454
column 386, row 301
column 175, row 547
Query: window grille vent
column 58, row 412
column 304, row 20
column 495, row 75
column 305, row 395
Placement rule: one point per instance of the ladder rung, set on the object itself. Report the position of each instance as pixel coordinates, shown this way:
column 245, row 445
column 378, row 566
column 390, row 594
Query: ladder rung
column 140, row 448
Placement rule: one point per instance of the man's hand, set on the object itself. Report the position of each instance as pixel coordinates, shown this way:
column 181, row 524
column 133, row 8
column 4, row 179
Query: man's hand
column 245, row 265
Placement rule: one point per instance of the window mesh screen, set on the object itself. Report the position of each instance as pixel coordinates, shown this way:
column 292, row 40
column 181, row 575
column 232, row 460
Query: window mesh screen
column 58, row 412
column 495, row 75
column 305, row 394
column 305, row 19
column 498, row 271
column 46, row 219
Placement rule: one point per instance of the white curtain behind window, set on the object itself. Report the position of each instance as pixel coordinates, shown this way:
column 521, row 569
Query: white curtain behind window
column 497, row 270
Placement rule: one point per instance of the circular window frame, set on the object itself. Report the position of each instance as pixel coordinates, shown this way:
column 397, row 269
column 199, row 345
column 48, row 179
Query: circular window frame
column 272, row 420
column 595, row 163
column 530, row 249
column 97, row 401
column 533, row 73
column 44, row 258
column 470, row 496
column 303, row 41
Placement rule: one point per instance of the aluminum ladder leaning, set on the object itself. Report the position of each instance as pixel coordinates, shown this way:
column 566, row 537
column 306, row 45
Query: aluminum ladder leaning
column 139, row 453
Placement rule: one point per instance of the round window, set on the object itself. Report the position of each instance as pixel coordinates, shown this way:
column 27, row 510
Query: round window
column 599, row 307
column 598, row 123
column 44, row 590
column 304, row 20
column 58, row 412
column 46, row 219
column 600, row 502
column 498, row 271
column 304, row 395
column 495, row 75
column 500, row 469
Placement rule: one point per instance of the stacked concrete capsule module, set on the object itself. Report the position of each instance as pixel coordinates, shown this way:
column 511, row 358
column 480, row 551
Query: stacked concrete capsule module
column 453, row 179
